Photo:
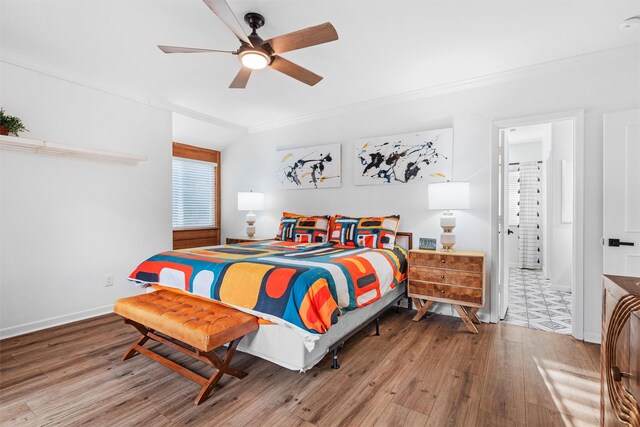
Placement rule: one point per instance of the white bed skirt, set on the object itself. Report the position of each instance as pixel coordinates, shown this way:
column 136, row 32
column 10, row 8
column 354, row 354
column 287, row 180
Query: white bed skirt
column 285, row 347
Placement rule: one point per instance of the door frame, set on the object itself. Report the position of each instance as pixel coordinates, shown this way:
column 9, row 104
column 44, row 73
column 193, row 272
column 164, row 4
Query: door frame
column 577, row 274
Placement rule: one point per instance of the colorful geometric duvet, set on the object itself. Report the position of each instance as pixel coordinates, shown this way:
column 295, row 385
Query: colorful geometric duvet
column 306, row 286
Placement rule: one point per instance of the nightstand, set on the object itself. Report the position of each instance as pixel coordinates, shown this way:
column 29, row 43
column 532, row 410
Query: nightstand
column 234, row 240
column 451, row 277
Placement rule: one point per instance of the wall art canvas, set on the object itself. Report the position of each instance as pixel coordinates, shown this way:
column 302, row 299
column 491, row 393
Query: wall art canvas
column 310, row 167
column 400, row 159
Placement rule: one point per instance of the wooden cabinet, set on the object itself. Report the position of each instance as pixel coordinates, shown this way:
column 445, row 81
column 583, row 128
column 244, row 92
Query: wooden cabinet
column 234, row 240
column 620, row 352
column 451, row 277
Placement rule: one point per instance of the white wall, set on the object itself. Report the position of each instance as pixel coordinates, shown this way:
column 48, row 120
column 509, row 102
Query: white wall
column 251, row 161
column 188, row 130
column 525, row 152
column 561, row 233
column 67, row 223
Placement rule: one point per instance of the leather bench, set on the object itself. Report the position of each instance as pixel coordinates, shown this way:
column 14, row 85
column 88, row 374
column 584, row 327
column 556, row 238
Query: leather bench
column 191, row 325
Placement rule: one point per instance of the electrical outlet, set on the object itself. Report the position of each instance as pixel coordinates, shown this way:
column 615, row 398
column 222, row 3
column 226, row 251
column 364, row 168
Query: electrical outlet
column 109, row 281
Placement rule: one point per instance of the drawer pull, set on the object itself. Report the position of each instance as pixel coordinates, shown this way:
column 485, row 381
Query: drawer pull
column 442, row 290
column 442, row 277
column 442, row 260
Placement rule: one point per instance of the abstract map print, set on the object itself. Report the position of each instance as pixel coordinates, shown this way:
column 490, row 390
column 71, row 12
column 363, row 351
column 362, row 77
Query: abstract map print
column 400, row 159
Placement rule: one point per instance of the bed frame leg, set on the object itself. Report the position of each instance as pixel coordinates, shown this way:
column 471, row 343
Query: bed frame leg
column 335, row 365
column 377, row 326
column 409, row 304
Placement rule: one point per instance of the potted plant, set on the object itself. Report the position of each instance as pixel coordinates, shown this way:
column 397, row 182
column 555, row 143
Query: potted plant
column 10, row 124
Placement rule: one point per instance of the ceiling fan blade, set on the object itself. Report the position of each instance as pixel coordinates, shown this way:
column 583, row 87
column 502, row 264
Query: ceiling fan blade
column 311, row 36
column 224, row 12
column 241, row 79
column 293, row 70
column 178, row 49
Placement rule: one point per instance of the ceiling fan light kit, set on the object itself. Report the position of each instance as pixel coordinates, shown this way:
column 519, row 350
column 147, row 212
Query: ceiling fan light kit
column 254, row 56
column 254, row 59
column 255, row 53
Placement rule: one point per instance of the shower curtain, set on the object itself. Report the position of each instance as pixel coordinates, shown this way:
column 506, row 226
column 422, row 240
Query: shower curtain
column 530, row 232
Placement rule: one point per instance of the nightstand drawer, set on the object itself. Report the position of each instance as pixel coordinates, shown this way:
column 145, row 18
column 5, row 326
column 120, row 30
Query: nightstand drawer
column 446, row 292
column 454, row 262
column 451, row 277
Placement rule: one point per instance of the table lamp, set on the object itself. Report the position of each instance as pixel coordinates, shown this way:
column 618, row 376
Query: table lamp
column 250, row 201
column 448, row 196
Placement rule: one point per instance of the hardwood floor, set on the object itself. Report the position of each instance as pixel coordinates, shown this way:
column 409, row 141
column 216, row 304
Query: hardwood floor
column 428, row 373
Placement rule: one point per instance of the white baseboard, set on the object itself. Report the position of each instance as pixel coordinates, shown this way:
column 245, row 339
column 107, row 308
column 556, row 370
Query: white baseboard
column 561, row 288
column 592, row 338
column 38, row 325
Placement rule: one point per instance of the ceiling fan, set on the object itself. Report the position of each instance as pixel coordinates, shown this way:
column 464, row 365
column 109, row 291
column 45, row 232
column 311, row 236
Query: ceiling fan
column 256, row 53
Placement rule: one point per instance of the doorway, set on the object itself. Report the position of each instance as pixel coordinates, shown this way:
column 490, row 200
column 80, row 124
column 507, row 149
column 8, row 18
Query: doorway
column 537, row 221
column 537, row 197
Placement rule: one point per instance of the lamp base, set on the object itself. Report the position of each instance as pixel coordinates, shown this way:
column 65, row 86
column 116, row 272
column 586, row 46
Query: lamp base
column 250, row 229
column 447, row 238
column 448, row 247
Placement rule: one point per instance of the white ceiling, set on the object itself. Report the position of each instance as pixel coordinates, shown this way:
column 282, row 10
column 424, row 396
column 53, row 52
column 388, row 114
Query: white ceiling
column 385, row 47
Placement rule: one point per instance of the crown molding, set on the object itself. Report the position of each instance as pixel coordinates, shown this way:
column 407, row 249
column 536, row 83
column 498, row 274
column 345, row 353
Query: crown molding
column 42, row 68
column 179, row 109
column 594, row 58
column 600, row 57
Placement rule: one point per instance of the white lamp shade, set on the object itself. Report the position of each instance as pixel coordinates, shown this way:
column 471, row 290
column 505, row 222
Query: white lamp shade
column 250, row 201
column 449, row 195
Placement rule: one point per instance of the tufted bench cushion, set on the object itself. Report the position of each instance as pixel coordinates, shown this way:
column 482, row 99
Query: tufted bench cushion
column 196, row 322
column 205, row 325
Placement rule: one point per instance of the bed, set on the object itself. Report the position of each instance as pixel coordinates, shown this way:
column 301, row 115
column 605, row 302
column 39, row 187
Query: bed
column 309, row 297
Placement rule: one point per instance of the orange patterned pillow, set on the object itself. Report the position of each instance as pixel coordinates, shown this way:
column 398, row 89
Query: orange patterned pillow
column 303, row 229
column 291, row 215
column 282, row 219
column 332, row 225
column 369, row 232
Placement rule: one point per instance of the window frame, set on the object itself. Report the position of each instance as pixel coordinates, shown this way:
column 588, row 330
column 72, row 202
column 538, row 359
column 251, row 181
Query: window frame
column 199, row 236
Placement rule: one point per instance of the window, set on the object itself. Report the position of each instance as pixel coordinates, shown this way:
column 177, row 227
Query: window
column 193, row 185
column 195, row 196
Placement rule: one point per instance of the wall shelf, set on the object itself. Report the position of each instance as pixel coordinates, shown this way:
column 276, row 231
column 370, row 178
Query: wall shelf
column 45, row 147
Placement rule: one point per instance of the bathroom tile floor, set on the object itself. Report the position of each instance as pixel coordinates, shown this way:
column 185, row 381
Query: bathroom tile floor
column 532, row 303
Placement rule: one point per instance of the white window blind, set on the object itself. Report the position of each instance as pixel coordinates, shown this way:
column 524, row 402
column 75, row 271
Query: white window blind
column 193, row 193
column 514, row 197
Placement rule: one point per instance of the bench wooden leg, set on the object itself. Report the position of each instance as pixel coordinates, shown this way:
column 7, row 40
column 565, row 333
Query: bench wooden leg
column 133, row 349
column 211, row 358
column 222, row 368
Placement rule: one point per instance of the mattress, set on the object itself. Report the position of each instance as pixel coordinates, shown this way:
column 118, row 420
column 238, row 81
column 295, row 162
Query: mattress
column 285, row 347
